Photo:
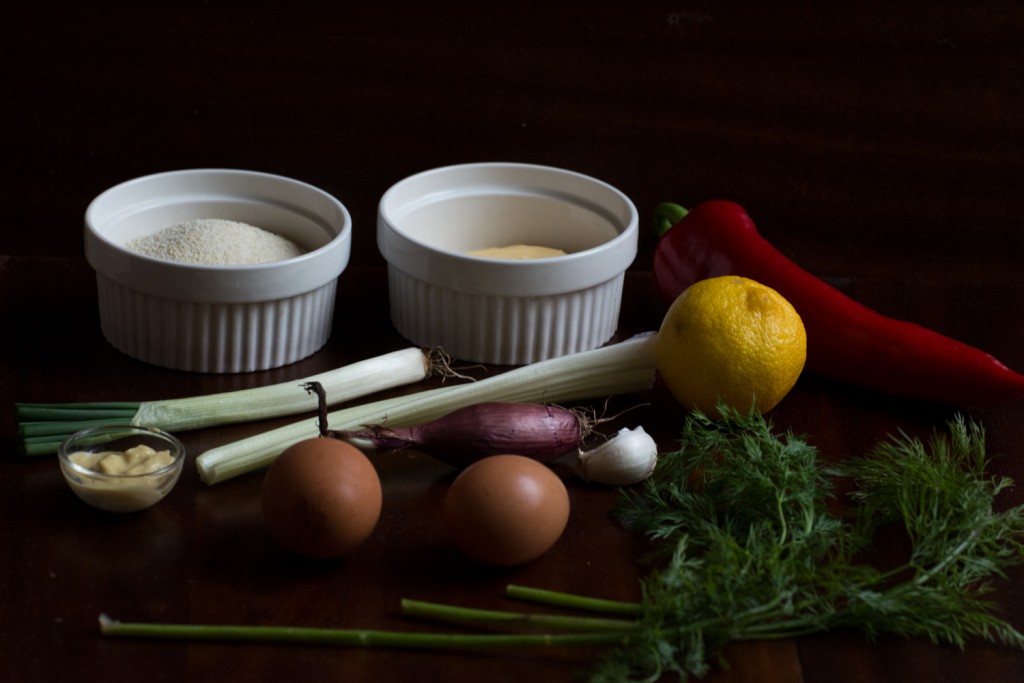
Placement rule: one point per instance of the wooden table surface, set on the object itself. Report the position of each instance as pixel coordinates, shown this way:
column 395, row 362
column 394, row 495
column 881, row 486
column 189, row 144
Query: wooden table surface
column 878, row 146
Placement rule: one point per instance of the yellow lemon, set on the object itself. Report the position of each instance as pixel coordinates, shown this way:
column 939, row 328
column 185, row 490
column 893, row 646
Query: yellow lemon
column 733, row 340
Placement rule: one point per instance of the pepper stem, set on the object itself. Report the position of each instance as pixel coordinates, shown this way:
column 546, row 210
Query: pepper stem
column 666, row 215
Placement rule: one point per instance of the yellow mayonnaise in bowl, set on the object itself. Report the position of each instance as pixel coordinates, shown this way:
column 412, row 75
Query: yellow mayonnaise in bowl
column 121, row 468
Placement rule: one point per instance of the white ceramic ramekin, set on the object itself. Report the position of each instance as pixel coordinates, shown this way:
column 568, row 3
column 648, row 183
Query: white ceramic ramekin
column 218, row 319
column 507, row 312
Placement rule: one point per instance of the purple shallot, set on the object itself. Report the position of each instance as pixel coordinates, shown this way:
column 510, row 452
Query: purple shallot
column 541, row 432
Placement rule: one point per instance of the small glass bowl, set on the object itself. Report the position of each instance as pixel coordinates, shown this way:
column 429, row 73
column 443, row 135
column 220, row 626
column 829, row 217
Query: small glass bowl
column 119, row 492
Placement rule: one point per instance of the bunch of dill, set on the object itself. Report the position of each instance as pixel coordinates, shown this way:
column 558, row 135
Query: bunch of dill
column 753, row 545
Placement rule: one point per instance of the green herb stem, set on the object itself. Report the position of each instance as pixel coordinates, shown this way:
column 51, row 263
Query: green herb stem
column 354, row 637
column 42, row 426
column 75, row 411
column 457, row 614
column 573, row 601
column 35, row 430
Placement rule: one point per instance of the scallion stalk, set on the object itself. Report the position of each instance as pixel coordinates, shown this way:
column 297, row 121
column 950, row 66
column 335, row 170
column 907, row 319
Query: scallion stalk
column 621, row 368
column 43, row 426
column 470, row 615
column 551, row 598
column 355, row 637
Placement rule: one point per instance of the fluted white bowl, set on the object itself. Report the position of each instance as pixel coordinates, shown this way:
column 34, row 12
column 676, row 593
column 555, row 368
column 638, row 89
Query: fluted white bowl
column 502, row 311
column 217, row 318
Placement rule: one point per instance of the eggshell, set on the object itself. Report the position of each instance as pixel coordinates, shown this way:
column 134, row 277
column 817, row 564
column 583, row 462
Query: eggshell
column 321, row 498
column 506, row 510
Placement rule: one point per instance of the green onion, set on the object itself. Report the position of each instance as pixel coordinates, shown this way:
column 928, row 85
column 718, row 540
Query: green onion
column 580, row 602
column 471, row 615
column 558, row 630
column 354, row 637
column 621, row 368
column 42, row 426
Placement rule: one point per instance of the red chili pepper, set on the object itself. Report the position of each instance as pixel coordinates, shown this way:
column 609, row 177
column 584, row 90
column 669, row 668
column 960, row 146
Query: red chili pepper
column 846, row 340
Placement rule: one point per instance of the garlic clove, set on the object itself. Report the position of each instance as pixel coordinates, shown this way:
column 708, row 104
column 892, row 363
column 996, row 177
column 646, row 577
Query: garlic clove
column 627, row 458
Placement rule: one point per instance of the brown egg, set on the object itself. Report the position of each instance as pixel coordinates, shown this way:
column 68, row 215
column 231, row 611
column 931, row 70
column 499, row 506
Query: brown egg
column 321, row 498
column 505, row 510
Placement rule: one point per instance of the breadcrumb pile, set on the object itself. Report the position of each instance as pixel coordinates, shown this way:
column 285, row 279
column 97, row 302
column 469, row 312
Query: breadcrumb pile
column 217, row 242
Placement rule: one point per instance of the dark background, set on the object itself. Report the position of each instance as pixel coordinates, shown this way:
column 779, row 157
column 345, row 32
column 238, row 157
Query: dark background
column 868, row 126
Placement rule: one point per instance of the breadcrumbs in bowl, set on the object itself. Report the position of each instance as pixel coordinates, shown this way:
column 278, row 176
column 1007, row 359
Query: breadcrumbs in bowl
column 174, row 294
column 216, row 242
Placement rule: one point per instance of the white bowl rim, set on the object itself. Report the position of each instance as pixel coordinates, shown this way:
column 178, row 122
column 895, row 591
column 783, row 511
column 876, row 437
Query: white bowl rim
column 217, row 283
column 528, row 277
